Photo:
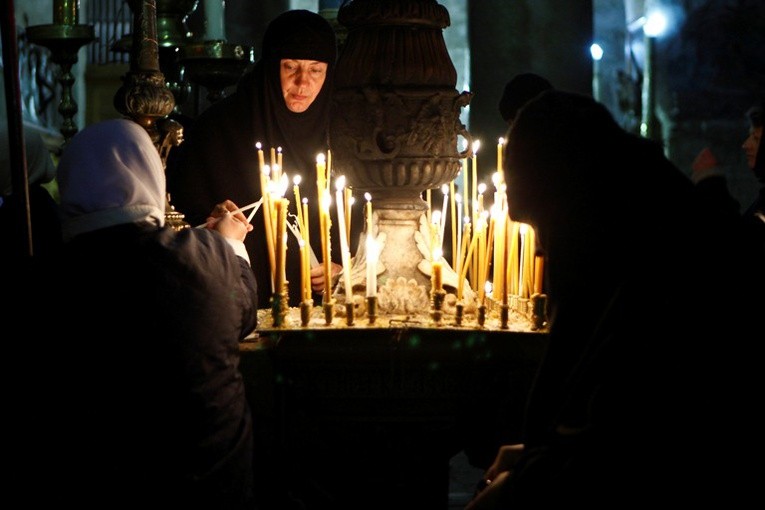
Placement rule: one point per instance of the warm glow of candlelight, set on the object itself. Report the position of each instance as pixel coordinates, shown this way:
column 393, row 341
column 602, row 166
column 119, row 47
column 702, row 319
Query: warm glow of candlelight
column 264, row 172
column 324, row 223
column 500, row 144
column 368, row 209
column 296, row 190
column 437, row 281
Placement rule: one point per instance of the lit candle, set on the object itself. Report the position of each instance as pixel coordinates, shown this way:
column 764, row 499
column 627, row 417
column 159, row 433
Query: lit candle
column 480, row 226
column 279, row 158
column 214, row 20
column 466, row 188
column 305, row 273
column 368, row 209
column 327, row 259
column 373, row 255
column 513, row 254
column 298, row 203
column 442, row 224
column 458, row 201
column 453, row 211
column 280, row 206
column 261, row 158
column 539, row 264
column 500, row 252
column 474, row 190
column 349, row 201
column 267, row 214
column 344, row 250
column 429, row 201
column 437, row 266
column 65, row 12
column 503, row 274
column 461, row 260
column 500, row 144
column 488, row 249
column 308, row 251
column 324, row 223
column 531, row 246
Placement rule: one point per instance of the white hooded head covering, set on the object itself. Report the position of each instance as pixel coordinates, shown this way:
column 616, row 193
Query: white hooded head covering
column 110, row 174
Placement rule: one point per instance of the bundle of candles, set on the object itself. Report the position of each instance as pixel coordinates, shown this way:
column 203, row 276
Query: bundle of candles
column 494, row 265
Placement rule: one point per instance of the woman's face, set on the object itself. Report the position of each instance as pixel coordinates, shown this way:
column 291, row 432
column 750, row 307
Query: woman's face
column 751, row 144
column 301, row 82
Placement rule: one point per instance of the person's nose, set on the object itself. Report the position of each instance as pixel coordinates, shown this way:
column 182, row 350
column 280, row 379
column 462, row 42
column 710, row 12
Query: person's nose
column 300, row 77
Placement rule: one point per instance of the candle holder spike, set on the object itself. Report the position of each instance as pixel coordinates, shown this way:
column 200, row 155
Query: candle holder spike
column 504, row 316
column 329, row 311
column 459, row 313
column 481, row 315
column 305, row 312
column 372, row 309
column 437, row 299
column 349, row 313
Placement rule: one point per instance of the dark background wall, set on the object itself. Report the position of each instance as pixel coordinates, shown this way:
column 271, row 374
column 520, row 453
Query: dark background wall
column 710, row 62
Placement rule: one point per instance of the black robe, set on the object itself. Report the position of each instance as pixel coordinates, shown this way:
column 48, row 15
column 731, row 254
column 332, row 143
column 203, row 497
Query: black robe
column 218, row 159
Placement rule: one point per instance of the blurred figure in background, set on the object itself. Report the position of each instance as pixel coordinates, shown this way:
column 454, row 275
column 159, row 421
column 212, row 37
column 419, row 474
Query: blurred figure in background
column 710, row 180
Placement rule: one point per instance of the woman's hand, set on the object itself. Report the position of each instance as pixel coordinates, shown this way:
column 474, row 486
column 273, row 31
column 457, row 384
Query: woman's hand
column 234, row 226
column 317, row 276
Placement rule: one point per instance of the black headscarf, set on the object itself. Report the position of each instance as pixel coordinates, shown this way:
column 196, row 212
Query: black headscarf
column 218, row 159
column 297, row 34
column 521, row 89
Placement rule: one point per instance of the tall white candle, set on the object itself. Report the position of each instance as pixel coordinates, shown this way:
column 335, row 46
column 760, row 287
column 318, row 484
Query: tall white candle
column 344, row 249
column 214, row 20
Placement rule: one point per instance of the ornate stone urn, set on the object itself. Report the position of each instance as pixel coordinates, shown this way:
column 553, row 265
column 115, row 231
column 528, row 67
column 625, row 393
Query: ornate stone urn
column 394, row 133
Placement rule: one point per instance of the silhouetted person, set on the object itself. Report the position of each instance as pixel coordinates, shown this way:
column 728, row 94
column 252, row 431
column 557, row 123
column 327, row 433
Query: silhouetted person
column 647, row 390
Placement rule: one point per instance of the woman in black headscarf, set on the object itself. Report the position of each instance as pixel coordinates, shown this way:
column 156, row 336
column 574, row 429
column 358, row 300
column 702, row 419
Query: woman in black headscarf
column 284, row 101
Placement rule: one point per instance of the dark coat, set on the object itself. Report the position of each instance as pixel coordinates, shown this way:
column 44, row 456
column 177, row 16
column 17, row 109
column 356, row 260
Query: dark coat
column 648, row 388
column 151, row 401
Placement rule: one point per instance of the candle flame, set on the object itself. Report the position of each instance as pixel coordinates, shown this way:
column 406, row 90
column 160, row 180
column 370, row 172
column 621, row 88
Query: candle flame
column 481, row 188
column 501, row 141
column 340, row 183
column 296, row 180
column 321, row 158
column 437, row 254
column 267, row 170
column 445, row 189
column 258, row 145
column 368, row 196
column 476, row 146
